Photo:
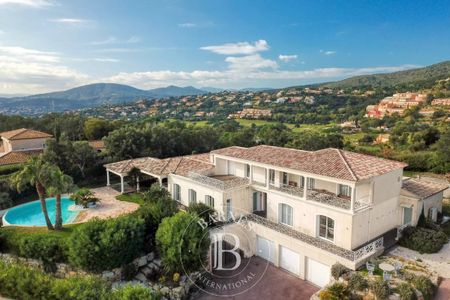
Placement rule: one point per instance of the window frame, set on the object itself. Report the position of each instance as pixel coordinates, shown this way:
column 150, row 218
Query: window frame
column 247, row 170
column 329, row 230
column 191, row 193
column 176, row 192
column 271, row 176
column 290, row 217
column 346, row 189
column 208, row 200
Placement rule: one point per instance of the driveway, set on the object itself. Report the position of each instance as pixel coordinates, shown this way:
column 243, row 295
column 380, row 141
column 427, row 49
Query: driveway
column 274, row 283
column 444, row 290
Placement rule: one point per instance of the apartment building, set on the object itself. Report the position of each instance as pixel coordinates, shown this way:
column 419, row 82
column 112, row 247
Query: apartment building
column 307, row 209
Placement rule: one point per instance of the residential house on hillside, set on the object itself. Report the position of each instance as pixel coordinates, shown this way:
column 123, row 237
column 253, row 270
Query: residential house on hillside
column 307, row 210
column 20, row 144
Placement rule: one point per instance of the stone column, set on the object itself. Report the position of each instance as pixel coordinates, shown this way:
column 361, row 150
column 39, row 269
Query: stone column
column 122, row 187
column 137, row 184
column 353, row 198
column 107, row 178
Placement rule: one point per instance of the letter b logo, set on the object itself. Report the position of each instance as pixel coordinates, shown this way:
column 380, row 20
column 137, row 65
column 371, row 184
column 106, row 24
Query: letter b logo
column 219, row 252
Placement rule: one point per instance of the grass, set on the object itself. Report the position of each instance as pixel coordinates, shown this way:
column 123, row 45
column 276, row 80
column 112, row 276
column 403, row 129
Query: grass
column 132, row 197
column 64, row 233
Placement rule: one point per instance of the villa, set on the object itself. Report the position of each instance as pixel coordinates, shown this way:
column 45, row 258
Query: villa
column 18, row 145
column 307, row 210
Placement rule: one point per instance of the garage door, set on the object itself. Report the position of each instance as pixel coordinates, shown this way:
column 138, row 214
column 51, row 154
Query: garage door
column 317, row 273
column 265, row 249
column 290, row 260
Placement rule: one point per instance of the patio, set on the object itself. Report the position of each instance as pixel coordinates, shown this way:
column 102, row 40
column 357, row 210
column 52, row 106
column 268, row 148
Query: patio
column 108, row 207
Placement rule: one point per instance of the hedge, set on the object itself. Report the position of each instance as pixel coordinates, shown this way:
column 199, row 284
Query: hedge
column 423, row 240
column 25, row 283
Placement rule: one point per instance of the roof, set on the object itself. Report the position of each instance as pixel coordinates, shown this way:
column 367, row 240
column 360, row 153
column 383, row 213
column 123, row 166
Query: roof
column 97, row 145
column 17, row 157
column 23, row 133
column 422, row 188
column 180, row 165
column 329, row 162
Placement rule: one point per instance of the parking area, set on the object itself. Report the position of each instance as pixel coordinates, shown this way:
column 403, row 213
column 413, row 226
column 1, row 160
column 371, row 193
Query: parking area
column 269, row 282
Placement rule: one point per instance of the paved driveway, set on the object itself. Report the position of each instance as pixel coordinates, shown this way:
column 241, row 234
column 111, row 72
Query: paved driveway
column 274, row 284
column 444, row 290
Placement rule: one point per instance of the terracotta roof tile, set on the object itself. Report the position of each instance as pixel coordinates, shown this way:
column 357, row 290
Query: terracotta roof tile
column 17, row 157
column 23, row 133
column 97, row 145
column 422, row 188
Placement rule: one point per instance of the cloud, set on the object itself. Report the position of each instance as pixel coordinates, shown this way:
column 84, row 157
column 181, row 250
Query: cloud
column 113, row 40
column 30, row 3
column 327, row 52
column 287, row 58
column 35, row 71
column 250, row 62
column 99, row 59
column 188, row 25
column 240, row 77
column 245, row 48
column 70, row 21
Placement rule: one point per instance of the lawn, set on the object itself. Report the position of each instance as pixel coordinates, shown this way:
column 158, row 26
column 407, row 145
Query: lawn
column 65, row 233
column 132, row 197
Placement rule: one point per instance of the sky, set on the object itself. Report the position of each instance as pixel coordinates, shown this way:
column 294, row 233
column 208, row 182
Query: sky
column 50, row 45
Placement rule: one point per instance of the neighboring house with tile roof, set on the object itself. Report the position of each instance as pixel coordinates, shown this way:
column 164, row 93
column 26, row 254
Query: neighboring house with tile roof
column 420, row 194
column 307, row 209
column 20, row 144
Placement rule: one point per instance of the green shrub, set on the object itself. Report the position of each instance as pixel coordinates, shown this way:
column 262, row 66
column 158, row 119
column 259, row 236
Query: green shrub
column 380, row 289
column 357, row 282
column 102, row 245
column 406, row 291
column 336, row 291
column 203, row 211
column 49, row 249
column 129, row 271
column 84, row 197
column 134, row 292
column 182, row 242
column 425, row 286
column 80, row 288
column 337, row 270
column 423, row 240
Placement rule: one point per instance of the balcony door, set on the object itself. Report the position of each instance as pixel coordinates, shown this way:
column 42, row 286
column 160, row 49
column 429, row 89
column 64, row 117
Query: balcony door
column 407, row 215
column 259, row 203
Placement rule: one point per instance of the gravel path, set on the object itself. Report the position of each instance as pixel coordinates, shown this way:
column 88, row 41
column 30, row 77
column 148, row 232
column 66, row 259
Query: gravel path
column 108, row 207
column 438, row 262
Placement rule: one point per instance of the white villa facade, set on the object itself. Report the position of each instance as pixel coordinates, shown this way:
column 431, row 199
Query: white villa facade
column 307, row 209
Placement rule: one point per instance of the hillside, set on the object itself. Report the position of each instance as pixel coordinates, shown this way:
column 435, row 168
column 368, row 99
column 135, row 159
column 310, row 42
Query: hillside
column 90, row 95
column 418, row 76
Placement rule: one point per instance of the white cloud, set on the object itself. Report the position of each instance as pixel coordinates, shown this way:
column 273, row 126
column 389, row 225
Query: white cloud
column 71, row 21
column 113, row 40
column 188, row 25
column 328, row 52
column 106, row 59
column 287, row 58
column 31, row 3
column 245, row 48
column 34, row 71
column 250, row 62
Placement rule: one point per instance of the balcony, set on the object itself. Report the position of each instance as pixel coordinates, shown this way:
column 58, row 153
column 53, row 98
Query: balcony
column 221, row 182
column 329, row 198
column 288, row 189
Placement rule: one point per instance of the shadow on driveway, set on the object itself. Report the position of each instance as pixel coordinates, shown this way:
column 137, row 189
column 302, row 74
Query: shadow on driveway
column 273, row 284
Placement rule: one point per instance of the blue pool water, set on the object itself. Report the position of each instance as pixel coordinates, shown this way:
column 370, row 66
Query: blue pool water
column 30, row 214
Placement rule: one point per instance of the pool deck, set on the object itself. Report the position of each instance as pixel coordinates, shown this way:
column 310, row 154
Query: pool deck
column 108, row 207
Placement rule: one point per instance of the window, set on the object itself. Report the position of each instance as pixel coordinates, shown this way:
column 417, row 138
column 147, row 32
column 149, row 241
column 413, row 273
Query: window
column 259, row 201
column 345, row 190
column 247, row 171
column 302, row 181
column 326, row 228
column 192, row 196
column 231, row 168
column 285, row 178
column 176, row 192
column 271, row 176
column 311, row 183
column 285, row 214
column 209, row 200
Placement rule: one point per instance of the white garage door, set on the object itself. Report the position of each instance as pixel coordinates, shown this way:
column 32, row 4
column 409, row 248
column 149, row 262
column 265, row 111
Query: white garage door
column 290, row 260
column 317, row 273
column 265, row 249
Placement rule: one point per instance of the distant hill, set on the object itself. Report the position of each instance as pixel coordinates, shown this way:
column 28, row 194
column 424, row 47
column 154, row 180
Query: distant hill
column 175, row 91
column 426, row 74
column 90, row 95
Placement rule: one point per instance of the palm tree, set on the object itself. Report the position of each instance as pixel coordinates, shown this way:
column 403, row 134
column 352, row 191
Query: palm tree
column 37, row 173
column 59, row 183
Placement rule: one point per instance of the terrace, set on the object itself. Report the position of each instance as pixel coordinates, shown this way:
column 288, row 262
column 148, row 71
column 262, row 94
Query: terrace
column 221, row 182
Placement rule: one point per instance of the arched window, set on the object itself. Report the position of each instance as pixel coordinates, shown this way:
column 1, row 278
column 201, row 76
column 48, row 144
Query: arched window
column 285, row 214
column 326, row 228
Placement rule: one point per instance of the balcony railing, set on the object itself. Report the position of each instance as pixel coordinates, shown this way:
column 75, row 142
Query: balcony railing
column 354, row 256
column 224, row 184
column 288, row 189
column 328, row 198
column 258, row 183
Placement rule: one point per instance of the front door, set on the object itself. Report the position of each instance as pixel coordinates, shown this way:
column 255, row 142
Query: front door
column 407, row 215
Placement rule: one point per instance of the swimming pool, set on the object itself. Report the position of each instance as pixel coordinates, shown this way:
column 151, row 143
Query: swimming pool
column 30, row 214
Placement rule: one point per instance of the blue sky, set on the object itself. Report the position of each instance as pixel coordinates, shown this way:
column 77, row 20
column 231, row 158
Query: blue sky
column 48, row 45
